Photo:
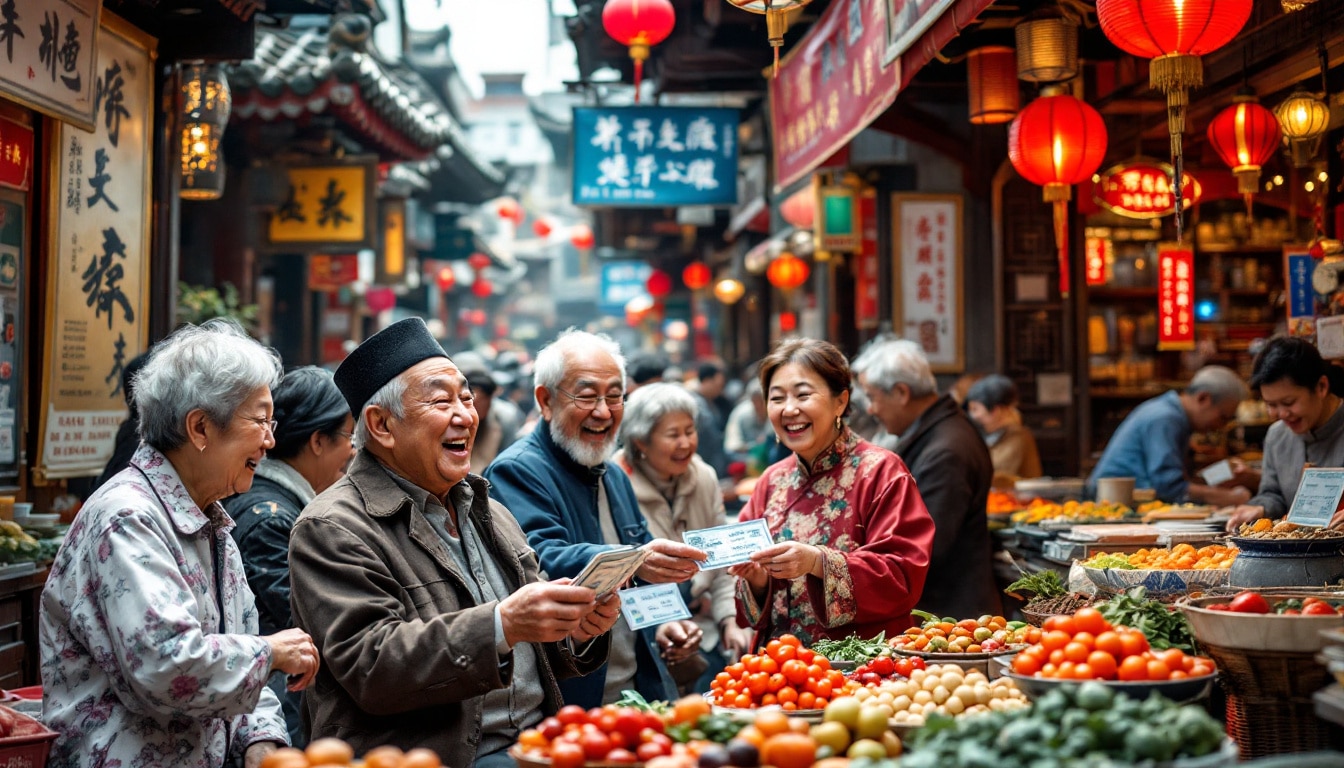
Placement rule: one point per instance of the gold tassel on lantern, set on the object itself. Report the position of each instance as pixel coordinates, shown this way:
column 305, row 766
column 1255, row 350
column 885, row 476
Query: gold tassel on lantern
column 1059, row 195
column 776, row 18
column 1174, row 74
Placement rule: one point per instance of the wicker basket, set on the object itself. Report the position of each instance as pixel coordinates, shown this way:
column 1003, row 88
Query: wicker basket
column 1036, row 619
column 1269, row 706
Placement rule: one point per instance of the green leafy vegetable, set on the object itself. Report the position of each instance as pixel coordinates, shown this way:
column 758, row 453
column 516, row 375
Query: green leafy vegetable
column 630, row 698
column 853, row 648
column 1164, row 627
column 1110, row 561
column 1044, row 584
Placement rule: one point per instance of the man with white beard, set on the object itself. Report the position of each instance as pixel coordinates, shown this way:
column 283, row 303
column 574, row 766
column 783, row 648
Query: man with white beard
column 573, row 503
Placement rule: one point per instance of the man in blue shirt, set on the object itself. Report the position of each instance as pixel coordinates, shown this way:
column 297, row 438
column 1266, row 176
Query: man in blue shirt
column 1152, row 442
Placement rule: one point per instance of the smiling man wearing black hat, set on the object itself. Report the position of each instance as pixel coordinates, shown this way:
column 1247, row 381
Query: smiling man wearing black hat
column 421, row 593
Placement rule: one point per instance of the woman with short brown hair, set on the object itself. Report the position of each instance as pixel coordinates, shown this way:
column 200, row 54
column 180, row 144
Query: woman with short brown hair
column 845, row 515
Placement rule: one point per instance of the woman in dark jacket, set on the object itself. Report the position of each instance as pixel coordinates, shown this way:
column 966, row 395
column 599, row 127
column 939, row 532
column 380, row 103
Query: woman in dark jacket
column 312, row 449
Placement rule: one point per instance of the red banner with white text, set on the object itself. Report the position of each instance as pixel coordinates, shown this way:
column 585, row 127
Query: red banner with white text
column 831, row 86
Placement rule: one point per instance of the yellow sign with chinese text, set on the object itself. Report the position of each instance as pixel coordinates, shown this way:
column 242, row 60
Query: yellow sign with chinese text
column 323, row 205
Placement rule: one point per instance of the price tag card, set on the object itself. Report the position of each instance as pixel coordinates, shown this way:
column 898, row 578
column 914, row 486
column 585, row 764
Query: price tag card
column 653, row 605
column 729, row 544
column 1317, row 497
column 1217, row 473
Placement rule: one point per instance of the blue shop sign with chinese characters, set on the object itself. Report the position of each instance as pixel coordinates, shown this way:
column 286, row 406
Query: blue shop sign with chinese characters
column 622, row 281
column 655, row 156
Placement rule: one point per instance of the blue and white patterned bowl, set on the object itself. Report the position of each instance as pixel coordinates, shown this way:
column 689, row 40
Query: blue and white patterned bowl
column 1158, row 582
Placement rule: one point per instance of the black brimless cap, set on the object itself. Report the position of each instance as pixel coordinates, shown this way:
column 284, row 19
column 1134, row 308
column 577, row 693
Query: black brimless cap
column 382, row 357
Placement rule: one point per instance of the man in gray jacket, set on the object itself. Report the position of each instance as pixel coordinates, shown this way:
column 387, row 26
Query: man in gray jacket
column 952, row 469
column 421, row 594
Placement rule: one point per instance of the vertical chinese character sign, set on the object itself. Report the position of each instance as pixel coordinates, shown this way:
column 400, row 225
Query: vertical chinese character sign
column 927, row 293
column 1175, row 297
column 99, row 271
column 655, row 156
column 866, row 266
column 48, row 54
column 1301, row 296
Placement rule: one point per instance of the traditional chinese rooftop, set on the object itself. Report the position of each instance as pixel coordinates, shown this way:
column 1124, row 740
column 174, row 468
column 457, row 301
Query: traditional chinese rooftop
column 300, row 74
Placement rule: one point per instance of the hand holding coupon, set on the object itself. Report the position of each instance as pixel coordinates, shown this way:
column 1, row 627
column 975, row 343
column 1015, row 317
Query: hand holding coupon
column 727, row 545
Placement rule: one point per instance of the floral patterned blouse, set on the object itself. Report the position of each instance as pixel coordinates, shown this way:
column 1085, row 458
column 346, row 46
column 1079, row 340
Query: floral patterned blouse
column 858, row 504
column 139, row 667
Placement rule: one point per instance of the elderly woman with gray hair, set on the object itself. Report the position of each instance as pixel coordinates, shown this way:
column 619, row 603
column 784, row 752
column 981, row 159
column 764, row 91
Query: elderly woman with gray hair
column 312, row 448
column 679, row 492
column 147, row 629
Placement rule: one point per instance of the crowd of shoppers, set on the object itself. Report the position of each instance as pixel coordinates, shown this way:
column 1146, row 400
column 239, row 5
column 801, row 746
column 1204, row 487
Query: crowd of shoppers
column 285, row 543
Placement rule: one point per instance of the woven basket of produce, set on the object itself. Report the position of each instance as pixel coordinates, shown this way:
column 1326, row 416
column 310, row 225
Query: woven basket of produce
column 1269, row 706
column 1037, row 611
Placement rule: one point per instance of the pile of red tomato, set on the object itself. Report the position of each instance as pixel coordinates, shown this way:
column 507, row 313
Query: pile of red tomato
column 1254, row 602
column 885, row 668
column 608, row 734
column 785, row 673
column 1085, row 646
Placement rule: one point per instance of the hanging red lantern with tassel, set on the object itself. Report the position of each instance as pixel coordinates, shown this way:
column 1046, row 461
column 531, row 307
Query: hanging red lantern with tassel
column 659, row 284
column 1057, row 141
column 787, row 272
column 478, row 261
column 1245, row 136
column 696, row 275
column 1174, row 34
column 581, row 237
column 639, row 25
column 445, row 278
column 509, row 209
column 482, row 288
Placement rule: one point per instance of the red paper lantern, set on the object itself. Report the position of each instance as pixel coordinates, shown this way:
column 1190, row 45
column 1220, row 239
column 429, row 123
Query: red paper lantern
column 541, row 228
column 508, row 208
column 799, row 209
column 482, row 288
column 478, row 261
column 1174, row 34
column 476, row 317
column 1057, row 141
column 380, row 299
column 787, row 272
column 788, row 322
column 581, row 237
column 639, row 24
column 696, row 275
column 659, row 284
column 1152, row 29
column 445, row 279
column 1245, row 136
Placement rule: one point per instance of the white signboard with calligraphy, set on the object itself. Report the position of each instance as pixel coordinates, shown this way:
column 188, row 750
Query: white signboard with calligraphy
column 98, row 286
column 48, row 50
column 926, row 297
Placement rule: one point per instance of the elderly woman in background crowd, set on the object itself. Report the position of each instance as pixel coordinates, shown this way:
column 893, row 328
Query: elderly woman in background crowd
column 845, row 515
column 312, row 448
column 991, row 402
column 148, row 631
column 679, row 492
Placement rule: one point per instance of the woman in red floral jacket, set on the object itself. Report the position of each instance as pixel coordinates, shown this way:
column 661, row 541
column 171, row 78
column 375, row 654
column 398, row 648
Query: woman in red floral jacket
column 852, row 535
